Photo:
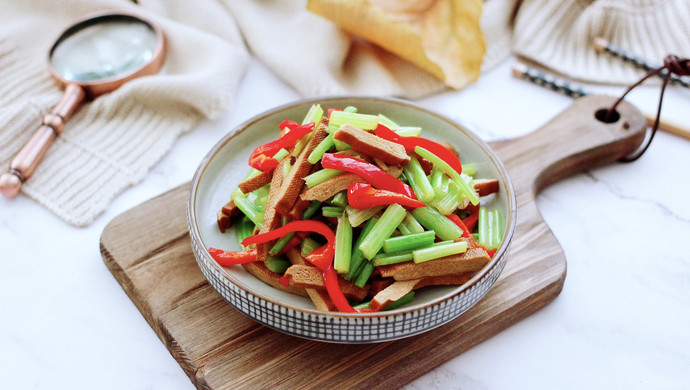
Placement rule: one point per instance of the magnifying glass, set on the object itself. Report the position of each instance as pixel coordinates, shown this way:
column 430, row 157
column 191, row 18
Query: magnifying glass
column 93, row 56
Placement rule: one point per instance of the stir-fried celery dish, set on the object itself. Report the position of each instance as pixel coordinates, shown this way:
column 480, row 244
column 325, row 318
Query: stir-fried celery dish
column 357, row 212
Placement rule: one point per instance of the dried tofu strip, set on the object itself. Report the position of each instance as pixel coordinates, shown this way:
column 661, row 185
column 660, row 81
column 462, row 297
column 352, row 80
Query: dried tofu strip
column 311, row 277
column 473, row 260
column 256, row 182
column 486, row 187
column 271, row 278
column 367, row 143
column 392, row 293
column 393, row 170
column 320, row 298
column 324, row 191
column 292, row 185
column 226, row 214
column 271, row 219
column 444, row 280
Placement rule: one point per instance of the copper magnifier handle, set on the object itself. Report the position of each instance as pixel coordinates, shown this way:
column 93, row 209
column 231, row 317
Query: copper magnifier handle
column 87, row 76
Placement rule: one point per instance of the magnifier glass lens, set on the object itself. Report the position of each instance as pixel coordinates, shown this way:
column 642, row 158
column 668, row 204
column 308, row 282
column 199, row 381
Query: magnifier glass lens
column 108, row 48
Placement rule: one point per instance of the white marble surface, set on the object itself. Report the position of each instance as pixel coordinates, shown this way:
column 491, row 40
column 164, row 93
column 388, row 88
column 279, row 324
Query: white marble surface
column 622, row 319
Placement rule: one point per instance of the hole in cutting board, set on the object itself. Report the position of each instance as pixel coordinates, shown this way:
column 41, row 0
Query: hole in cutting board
column 602, row 116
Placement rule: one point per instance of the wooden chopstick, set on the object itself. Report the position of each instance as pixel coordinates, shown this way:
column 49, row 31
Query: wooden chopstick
column 562, row 86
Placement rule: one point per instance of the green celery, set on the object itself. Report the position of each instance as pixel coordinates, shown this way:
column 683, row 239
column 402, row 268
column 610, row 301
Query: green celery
column 277, row 264
column 412, row 225
column 357, row 216
column 252, row 211
column 431, row 219
column 244, row 228
column 448, row 170
column 357, row 256
column 469, row 169
column 410, row 242
column 313, row 116
column 343, row 246
column 438, row 251
column 320, row 176
column 281, row 242
column 392, row 258
column 383, row 229
column 450, row 202
column 324, row 146
column 311, row 209
column 339, row 199
column 404, row 229
column 489, row 228
column 388, row 122
column 350, row 109
column 409, row 131
column 332, row 211
column 418, row 180
column 364, row 274
column 308, row 246
column 362, row 121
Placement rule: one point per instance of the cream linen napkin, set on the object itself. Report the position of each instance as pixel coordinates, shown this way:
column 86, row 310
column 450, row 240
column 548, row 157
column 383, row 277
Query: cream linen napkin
column 111, row 143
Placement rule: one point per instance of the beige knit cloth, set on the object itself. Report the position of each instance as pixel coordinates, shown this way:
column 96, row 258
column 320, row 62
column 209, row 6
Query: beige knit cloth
column 111, row 143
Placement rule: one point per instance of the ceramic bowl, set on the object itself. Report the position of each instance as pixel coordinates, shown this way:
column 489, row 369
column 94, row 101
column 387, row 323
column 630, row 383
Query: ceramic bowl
column 225, row 166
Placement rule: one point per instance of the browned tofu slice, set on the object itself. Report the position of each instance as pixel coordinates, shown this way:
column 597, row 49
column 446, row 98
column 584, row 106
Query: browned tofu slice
column 256, row 182
column 311, row 277
column 292, row 185
column 271, row 278
column 372, row 145
column 473, row 260
column 392, row 293
column 324, row 191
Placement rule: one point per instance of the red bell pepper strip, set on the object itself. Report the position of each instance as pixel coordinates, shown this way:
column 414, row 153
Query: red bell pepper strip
column 409, row 143
column 369, row 172
column 321, row 257
column 330, row 111
column 228, row 258
column 467, row 234
column 262, row 157
column 330, row 280
column 363, row 196
column 290, row 125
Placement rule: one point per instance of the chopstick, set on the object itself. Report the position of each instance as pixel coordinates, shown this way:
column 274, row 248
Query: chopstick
column 562, row 86
column 601, row 45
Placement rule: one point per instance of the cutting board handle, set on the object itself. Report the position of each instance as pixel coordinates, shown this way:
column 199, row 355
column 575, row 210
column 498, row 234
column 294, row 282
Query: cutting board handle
column 573, row 141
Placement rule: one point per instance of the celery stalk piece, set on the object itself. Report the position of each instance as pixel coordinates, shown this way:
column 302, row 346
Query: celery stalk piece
column 418, row 180
column 411, row 242
column 286, row 168
column 339, row 199
column 280, row 244
column 383, row 229
column 432, row 220
column 244, row 228
column 437, row 182
column 332, row 211
column 357, row 256
column 448, row 170
column 496, row 235
column 351, row 109
column 308, row 246
column 451, row 200
column 392, row 258
column 313, row 116
column 364, row 274
column 409, row 131
column 343, row 246
column 323, row 147
column 388, row 122
column 357, row 217
column 320, row 176
column 311, row 209
column 404, row 230
column 252, row 211
column 412, row 224
column 489, row 228
column 281, row 154
column 277, row 264
column 363, row 121
column 438, row 251
column 259, row 196
column 340, row 145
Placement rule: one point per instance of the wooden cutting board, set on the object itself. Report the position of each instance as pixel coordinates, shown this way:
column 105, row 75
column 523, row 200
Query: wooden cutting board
column 148, row 251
